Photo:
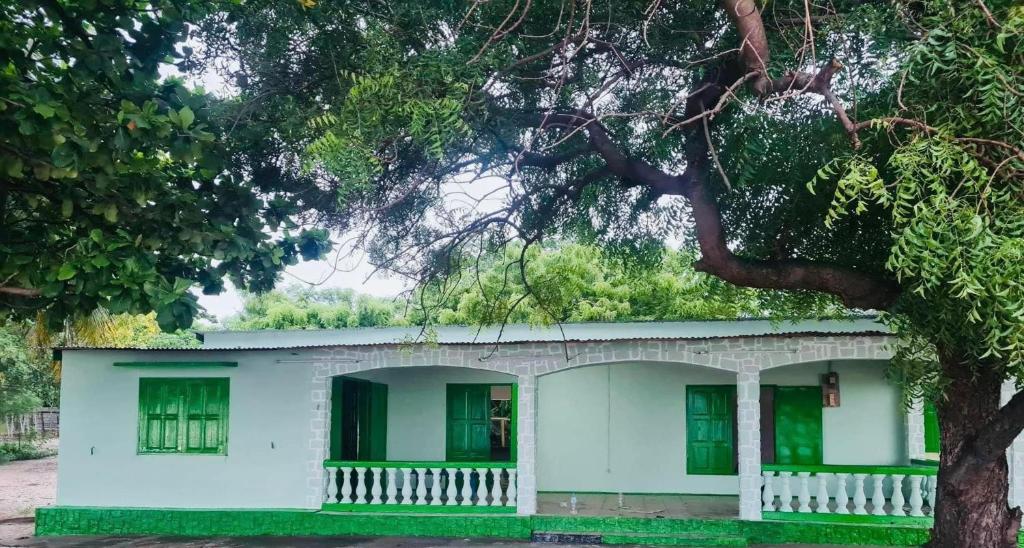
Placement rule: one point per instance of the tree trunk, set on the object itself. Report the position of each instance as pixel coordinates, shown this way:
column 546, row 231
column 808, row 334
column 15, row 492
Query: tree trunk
column 972, row 509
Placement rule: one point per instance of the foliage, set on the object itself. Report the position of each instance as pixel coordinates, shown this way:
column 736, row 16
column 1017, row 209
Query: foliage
column 954, row 196
column 576, row 283
column 298, row 307
column 566, row 283
column 18, row 393
column 23, row 451
column 115, row 192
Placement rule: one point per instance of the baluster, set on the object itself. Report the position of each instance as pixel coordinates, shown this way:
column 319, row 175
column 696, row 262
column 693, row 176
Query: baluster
column 495, row 487
column 332, row 485
column 406, row 485
column 822, row 496
column 897, row 495
column 933, row 482
column 842, row 499
column 360, row 485
column 481, row 487
column 421, row 486
column 510, row 493
column 346, row 484
column 915, row 496
column 392, row 487
column 467, row 488
column 786, row 494
column 376, row 476
column 859, row 500
column 450, row 491
column 805, row 494
column 435, row 487
column 877, row 496
column 767, row 493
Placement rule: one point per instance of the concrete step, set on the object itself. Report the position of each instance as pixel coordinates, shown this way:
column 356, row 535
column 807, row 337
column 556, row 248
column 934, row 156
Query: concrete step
column 679, row 539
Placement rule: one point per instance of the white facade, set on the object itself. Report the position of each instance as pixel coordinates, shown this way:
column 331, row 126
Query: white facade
column 609, row 418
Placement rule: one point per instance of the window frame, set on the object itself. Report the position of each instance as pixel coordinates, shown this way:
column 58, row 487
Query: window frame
column 182, row 387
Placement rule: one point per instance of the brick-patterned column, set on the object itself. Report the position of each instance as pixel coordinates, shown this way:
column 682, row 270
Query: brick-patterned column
column 319, row 442
column 1014, row 455
column 914, row 421
column 748, row 421
column 526, row 445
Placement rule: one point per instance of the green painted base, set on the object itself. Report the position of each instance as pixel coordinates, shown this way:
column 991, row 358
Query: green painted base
column 65, row 520
column 413, row 509
column 865, row 519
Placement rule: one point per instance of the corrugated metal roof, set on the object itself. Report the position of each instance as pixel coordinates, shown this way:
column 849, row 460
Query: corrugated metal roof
column 522, row 333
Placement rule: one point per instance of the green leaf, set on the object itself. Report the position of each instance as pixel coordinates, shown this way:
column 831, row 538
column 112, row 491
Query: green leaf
column 110, row 213
column 186, row 116
column 66, row 272
column 46, row 111
column 67, row 207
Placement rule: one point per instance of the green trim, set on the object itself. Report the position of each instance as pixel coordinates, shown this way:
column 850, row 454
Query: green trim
column 415, row 509
column 852, row 469
column 65, row 520
column 924, row 462
column 417, row 464
column 634, row 493
column 176, row 364
column 866, row 519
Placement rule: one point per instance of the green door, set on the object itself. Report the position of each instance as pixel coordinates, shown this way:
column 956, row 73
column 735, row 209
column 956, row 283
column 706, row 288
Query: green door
column 710, row 422
column 359, row 420
column 798, row 425
column 468, row 436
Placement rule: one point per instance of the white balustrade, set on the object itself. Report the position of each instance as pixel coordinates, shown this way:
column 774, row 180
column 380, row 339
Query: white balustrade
column 360, row 486
column 383, row 484
column 805, row 494
column 879, row 491
column 375, row 485
column 332, row 484
column 392, row 487
column 859, row 499
column 346, row 484
column 768, row 492
column 421, row 486
column 435, row 487
column 878, row 496
column 786, row 494
column 406, row 485
column 821, row 497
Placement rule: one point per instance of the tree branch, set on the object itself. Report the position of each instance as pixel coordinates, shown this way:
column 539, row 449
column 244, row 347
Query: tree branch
column 28, row 293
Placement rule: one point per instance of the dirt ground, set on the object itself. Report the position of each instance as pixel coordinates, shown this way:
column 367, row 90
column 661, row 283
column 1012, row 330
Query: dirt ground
column 24, row 486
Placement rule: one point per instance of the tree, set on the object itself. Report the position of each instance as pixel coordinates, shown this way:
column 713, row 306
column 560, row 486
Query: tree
column 300, row 307
column 114, row 191
column 18, row 393
column 621, row 122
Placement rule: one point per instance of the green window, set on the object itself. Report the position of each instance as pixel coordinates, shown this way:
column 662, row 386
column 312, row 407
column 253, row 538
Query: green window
column 931, row 428
column 798, row 436
column 183, row 415
column 710, row 429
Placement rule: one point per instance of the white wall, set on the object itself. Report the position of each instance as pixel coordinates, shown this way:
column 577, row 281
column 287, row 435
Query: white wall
column 98, row 464
column 868, row 426
column 417, row 406
column 622, row 427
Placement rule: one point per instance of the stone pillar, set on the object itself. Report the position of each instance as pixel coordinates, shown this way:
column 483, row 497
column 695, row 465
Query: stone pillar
column 748, row 422
column 526, row 445
column 914, row 423
column 1014, row 455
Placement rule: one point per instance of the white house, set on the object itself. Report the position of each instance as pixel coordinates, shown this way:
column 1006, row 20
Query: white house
column 783, row 422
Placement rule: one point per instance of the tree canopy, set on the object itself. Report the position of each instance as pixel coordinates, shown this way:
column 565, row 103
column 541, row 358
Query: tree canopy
column 865, row 152
column 115, row 185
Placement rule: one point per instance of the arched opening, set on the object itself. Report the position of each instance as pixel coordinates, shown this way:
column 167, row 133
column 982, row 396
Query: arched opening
column 650, row 431
column 433, row 413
